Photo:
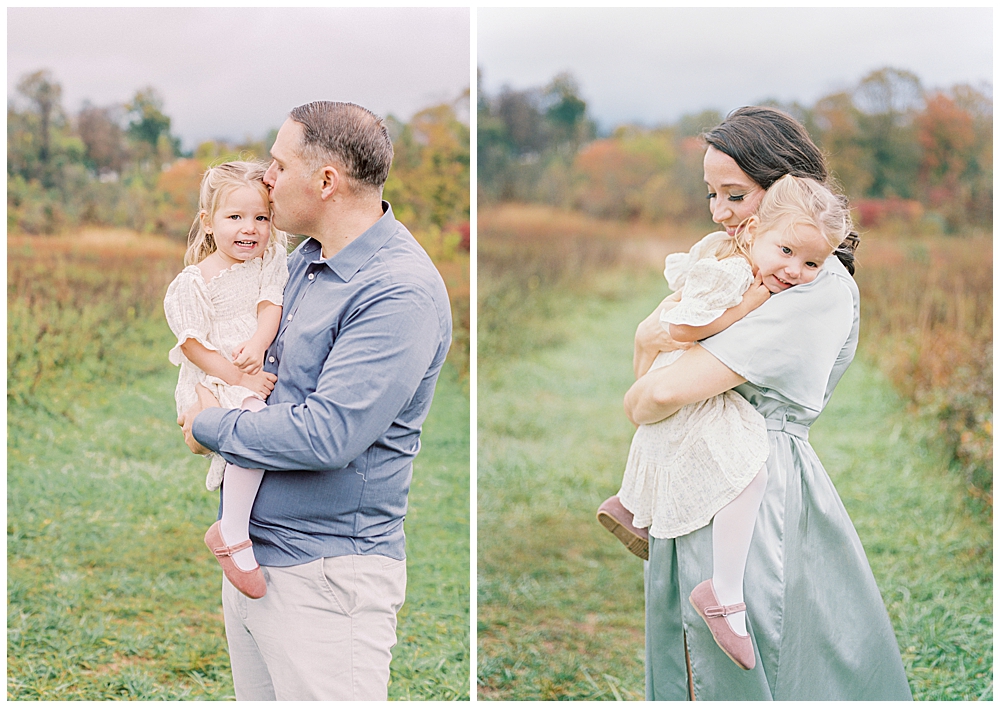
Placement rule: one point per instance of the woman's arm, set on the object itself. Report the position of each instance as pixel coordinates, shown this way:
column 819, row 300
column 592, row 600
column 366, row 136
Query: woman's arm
column 651, row 338
column 695, row 376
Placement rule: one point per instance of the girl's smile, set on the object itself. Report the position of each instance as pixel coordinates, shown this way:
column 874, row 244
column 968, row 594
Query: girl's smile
column 785, row 258
column 240, row 226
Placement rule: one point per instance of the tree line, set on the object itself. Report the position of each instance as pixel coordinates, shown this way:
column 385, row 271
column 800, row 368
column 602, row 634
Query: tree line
column 120, row 165
column 898, row 150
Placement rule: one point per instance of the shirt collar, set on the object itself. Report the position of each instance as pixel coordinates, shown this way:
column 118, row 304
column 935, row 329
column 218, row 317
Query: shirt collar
column 348, row 261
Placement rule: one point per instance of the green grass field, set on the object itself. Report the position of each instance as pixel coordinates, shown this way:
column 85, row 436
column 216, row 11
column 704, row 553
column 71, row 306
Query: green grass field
column 95, row 492
column 560, row 607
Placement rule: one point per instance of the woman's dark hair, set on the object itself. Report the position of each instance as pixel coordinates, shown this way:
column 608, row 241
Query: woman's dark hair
column 768, row 144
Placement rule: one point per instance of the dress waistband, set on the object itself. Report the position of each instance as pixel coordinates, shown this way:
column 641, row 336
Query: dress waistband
column 797, row 430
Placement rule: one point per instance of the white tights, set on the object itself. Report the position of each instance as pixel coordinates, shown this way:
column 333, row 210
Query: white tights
column 239, row 489
column 732, row 529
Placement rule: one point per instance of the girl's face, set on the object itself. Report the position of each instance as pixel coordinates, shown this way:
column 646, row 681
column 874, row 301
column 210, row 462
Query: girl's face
column 732, row 195
column 787, row 257
column 241, row 225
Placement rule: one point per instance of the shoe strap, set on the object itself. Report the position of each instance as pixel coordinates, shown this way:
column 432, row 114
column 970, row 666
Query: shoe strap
column 223, row 551
column 725, row 610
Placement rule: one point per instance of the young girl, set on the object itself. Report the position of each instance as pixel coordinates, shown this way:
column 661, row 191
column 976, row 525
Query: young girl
column 705, row 463
column 224, row 308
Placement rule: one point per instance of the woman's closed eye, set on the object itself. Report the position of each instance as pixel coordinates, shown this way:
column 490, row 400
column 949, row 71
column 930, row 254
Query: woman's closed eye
column 731, row 197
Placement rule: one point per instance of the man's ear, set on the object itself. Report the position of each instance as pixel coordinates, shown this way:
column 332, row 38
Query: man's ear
column 330, row 181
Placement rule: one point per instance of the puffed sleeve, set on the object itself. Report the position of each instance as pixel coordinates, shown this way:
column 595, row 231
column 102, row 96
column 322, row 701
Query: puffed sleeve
column 791, row 343
column 273, row 276
column 677, row 265
column 711, row 288
column 188, row 307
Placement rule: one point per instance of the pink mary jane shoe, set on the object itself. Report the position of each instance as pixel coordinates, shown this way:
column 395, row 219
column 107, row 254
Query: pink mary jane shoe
column 738, row 648
column 249, row 582
column 618, row 520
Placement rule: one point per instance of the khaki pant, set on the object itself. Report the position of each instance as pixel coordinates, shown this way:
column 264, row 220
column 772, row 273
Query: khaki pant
column 323, row 631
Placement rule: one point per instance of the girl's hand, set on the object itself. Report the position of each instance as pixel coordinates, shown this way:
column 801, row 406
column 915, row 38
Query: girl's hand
column 261, row 383
column 756, row 295
column 248, row 358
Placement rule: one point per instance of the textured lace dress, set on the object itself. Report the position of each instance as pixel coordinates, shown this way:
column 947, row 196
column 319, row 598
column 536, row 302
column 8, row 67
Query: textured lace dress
column 220, row 314
column 682, row 470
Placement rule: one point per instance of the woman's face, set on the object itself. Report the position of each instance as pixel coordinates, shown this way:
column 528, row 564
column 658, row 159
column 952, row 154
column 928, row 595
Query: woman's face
column 732, row 195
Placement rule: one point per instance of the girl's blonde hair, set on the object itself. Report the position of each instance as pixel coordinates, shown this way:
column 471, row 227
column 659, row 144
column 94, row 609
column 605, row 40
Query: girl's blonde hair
column 790, row 202
column 218, row 183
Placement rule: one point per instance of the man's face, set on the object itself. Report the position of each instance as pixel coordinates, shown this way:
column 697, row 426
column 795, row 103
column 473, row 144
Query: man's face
column 295, row 189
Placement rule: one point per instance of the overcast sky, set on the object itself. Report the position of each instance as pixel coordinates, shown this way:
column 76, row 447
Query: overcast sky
column 652, row 65
column 234, row 73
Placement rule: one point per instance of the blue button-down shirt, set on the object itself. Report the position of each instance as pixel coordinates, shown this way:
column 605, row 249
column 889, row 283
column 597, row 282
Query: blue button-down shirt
column 362, row 339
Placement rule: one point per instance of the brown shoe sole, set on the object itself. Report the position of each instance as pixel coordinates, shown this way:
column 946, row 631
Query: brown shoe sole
column 635, row 544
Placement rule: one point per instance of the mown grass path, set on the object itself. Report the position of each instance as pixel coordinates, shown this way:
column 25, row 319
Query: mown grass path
column 560, row 606
column 111, row 592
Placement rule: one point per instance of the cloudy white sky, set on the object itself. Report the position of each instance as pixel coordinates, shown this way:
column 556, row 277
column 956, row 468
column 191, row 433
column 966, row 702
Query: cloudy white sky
column 652, row 65
column 236, row 72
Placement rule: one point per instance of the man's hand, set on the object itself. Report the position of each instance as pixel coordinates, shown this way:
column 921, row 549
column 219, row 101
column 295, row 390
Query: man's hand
column 186, row 419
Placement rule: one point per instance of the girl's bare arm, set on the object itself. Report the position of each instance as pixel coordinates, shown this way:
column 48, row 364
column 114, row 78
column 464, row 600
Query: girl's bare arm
column 214, row 364
column 755, row 296
column 249, row 356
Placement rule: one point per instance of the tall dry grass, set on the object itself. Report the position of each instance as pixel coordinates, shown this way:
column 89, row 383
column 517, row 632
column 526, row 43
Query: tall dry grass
column 532, row 259
column 84, row 308
column 927, row 320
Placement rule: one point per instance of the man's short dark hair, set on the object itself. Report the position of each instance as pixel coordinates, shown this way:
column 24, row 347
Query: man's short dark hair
column 348, row 134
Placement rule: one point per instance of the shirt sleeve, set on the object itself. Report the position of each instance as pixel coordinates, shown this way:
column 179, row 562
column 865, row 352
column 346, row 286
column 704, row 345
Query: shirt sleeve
column 376, row 363
column 791, row 343
column 678, row 265
column 712, row 287
column 273, row 276
column 188, row 308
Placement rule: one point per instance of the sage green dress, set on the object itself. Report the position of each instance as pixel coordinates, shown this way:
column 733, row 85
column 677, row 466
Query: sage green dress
column 818, row 623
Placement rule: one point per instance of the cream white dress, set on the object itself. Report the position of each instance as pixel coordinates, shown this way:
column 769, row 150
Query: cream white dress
column 220, row 314
column 682, row 470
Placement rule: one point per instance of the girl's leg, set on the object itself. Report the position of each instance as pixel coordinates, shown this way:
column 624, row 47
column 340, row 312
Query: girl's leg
column 732, row 529
column 239, row 489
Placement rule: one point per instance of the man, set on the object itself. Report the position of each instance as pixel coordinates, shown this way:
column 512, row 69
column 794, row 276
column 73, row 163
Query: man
column 365, row 328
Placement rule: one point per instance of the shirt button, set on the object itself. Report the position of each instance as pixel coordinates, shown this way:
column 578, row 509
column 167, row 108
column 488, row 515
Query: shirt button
column 271, row 359
column 312, row 276
column 290, row 318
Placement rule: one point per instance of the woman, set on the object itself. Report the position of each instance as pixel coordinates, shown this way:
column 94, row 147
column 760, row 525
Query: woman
column 818, row 624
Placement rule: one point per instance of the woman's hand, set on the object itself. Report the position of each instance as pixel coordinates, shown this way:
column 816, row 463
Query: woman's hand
column 261, row 383
column 651, row 338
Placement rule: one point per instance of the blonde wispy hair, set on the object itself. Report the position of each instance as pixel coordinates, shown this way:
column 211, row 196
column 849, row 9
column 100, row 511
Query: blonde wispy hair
column 790, row 202
column 216, row 184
